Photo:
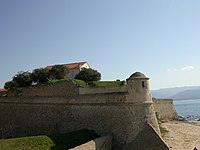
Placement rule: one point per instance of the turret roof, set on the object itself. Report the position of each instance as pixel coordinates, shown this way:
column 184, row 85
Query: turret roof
column 137, row 75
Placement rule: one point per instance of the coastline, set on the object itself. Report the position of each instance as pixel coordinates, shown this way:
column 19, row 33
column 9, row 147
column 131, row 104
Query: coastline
column 182, row 135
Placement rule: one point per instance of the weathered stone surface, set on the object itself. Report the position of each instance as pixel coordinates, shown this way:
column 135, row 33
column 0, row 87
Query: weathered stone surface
column 102, row 143
column 149, row 139
column 63, row 88
column 165, row 109
column 122, row 112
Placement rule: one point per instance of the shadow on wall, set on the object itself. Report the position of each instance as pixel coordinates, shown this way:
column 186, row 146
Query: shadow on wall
column 72, row 139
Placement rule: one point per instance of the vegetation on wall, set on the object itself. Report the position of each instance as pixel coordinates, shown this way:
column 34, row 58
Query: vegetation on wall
column 38, row 76
column 58, row 72
column 21, row 79
column 88, row 75
column 80, row 83
column 9, row 85
column 163, row 130
column 107, row 83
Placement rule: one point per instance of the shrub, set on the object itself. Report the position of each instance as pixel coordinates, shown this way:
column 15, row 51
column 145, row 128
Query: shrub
column 88, row 75
column 22, row 79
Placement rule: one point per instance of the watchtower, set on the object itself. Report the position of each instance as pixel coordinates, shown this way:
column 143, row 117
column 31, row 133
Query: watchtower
column 138, row 88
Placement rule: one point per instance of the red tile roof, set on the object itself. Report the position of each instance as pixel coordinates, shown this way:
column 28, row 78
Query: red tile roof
column 3, row 90
column 71, row 65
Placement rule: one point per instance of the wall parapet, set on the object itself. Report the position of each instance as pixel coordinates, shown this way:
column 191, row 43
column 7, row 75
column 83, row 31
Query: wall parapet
column 62, row 88
column 109, row 98
column 103, row 89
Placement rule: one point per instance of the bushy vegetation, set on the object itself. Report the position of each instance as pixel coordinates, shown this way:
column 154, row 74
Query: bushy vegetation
column 41, row 76
column 21, row 79
column 88, row 75
column 163, row 130
column 55, row 74
column 58, row 72
column 51, row 142
column 38, row 76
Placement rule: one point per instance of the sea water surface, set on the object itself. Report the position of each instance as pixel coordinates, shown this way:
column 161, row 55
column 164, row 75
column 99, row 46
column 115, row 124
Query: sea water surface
column 190, row 109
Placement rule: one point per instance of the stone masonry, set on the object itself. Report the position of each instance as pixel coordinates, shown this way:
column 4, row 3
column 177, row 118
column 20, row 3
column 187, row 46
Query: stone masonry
column 126, row 112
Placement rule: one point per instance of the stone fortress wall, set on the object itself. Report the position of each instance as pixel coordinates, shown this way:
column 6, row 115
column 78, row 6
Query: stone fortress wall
column 165, row 109
column 63, row 88
column 126, row 112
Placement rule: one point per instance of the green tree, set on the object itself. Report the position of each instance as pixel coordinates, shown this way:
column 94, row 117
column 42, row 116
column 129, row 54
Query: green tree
column 40, row 75
column 9, row 85
column 22, row 79
column 88, row 75
column 58, row 72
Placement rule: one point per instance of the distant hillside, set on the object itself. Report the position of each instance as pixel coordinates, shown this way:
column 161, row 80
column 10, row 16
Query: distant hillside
column 187, row 94
column 190, row 92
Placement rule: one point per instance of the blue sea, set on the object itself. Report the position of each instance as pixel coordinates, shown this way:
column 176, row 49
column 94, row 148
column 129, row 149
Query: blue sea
column 190, row 109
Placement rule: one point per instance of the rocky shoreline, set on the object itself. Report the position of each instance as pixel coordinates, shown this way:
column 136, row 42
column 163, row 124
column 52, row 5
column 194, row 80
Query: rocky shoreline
column 189, row 118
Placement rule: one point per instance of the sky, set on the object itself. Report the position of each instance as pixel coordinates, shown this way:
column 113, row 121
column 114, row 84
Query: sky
column 160, row 38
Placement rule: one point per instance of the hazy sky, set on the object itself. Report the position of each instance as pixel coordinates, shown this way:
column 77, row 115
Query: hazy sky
column 160, row 38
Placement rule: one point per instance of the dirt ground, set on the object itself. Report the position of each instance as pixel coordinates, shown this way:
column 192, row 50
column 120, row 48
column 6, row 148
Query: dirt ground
column 182, row 136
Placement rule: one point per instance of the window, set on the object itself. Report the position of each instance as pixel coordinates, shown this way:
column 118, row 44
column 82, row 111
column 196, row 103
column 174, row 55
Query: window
column 143, row 84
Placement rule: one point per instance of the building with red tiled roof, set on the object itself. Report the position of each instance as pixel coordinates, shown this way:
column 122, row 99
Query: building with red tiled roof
column 74, row 68
column 3, row 90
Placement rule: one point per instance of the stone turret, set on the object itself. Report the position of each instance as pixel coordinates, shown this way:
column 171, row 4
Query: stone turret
column 138, row 88
column 139, row 93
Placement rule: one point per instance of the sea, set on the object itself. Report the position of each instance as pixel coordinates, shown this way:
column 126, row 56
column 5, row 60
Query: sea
column 188, row 109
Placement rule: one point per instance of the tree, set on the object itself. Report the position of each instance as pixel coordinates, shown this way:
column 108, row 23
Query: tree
column 40, row 75
column 22, row 79
column 88, row 75
column 9, row 85
column 58, row 72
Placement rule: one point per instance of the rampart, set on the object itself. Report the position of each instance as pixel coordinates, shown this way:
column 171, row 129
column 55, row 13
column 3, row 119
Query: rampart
column 63, row 88
column 165, row 109
column 126, row 112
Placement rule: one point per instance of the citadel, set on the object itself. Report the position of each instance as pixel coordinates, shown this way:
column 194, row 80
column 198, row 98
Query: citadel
column 125, row 116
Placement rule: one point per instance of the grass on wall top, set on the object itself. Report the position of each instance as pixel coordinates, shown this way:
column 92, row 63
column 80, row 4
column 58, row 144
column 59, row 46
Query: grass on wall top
column 79, row 83
column 107, row 83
